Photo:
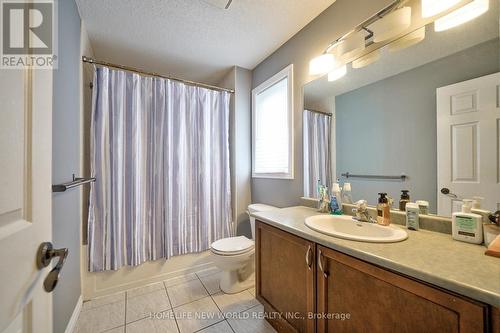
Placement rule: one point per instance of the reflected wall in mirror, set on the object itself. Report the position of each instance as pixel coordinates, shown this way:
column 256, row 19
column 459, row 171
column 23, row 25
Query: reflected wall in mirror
column 427, row 106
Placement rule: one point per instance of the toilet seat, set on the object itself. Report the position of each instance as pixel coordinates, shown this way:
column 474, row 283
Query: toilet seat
column 232, row 246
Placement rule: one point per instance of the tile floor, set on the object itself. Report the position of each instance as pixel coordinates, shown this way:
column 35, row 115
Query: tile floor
column 185, row 304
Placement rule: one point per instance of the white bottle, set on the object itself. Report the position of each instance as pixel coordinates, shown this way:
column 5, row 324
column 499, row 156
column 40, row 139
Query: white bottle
column 412, row 216
column 467, row 226
column 423, row 206
column 346, row 193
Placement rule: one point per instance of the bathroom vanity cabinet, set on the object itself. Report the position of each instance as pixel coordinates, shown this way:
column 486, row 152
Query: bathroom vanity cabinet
column 285, row 279
column 306, row 287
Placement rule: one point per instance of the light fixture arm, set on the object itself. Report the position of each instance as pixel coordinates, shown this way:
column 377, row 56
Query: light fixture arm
column 391, row 7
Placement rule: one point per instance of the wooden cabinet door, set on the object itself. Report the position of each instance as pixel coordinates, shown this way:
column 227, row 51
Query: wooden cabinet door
column 378, row 300
column 285, row 276
column 495, row 320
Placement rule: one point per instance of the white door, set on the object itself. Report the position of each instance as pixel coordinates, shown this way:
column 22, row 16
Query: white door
column 25, row 198
column 468, row 139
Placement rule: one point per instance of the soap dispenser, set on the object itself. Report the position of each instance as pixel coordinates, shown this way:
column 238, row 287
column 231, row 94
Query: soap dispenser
column 383, row 210
column 336, row 199
column 467, row 226
column 405, row 198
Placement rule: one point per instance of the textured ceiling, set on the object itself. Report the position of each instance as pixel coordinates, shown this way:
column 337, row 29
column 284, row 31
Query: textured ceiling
column 191, row 38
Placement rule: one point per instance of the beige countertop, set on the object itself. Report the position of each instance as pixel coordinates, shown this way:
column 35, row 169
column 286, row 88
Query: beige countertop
column 428, row 256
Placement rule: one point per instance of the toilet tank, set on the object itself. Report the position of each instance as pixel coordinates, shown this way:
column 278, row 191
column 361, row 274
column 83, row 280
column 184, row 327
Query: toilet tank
column 254, row 208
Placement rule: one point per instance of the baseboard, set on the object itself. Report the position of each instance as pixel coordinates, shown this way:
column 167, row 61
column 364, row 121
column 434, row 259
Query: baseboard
column 74, row 317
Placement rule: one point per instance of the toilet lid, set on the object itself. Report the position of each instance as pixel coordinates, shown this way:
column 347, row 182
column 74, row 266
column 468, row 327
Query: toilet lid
column 234, row 245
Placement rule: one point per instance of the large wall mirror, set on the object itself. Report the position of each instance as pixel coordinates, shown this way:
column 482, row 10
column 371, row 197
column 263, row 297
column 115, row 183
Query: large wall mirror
column 426, row 106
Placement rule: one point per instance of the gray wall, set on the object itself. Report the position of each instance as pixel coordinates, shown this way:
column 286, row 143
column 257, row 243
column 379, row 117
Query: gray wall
column 389, row 127
column 240, row 80
column 338, row 19
column 66, row 161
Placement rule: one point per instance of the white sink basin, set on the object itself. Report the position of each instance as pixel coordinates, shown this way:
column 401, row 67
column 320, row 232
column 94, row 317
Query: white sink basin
column 343, row 226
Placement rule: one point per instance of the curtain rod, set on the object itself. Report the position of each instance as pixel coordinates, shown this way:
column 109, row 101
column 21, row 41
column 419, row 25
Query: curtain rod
column 135, row 70
column 322, row 112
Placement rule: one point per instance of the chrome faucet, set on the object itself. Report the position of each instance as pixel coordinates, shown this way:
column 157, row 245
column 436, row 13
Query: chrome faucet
column 361, row 212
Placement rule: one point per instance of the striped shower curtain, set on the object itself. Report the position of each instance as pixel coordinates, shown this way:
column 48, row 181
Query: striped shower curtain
column 160, row 155
column 317, row 156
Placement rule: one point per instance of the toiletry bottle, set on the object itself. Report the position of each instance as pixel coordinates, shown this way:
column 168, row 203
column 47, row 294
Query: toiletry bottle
column 423, row 206
column 334, row 205
column 467, row 226
column 383, row 210
column 405, row 198
column 412, row 216
column 477, row 209
column 336, row 191
column 319, row 190
column 346, row 193
column 325, row 200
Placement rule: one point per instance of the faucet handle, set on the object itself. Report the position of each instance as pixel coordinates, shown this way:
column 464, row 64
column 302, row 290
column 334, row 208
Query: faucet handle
column 495, row 217
column 361, row 205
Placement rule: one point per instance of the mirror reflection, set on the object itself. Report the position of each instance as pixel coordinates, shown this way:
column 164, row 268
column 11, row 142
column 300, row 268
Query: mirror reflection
column 420, row 115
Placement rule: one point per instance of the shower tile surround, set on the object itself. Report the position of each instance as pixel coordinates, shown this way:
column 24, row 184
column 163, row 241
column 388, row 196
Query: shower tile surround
column 188, row 303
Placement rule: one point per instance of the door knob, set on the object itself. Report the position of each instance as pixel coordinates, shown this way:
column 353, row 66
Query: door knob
column 446, row 191
column 46, row 253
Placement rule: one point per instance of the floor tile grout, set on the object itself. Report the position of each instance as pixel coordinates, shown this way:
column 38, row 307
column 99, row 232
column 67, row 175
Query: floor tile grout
column 96, row 307
column 217, row 305
column 204, row 328
column 171, row 307
column 195, row 276
column 126, row 300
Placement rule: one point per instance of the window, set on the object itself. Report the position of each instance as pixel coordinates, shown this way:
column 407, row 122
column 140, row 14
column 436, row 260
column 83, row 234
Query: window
column 272, row 127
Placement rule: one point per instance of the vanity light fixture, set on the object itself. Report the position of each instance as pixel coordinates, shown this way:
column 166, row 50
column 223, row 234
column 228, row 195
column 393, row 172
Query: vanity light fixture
column 388, row 23
column 464, row 14
column 322, row 64
column 367, row 59
column 391, row 25
column 433, row 7
column 352, row 44
column 412, row 38
column 337, row 73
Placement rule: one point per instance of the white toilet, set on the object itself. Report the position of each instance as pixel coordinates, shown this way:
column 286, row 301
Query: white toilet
column 235, row 257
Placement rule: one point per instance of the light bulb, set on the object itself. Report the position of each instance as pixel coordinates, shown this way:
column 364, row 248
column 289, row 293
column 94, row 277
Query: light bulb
column 352, row 45
column 322, row 64
column 434, row 7
column 391, row 25
column 464, row 14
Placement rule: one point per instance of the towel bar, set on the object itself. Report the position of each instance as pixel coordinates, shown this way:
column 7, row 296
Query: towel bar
column 74, row 183
column 401, row 177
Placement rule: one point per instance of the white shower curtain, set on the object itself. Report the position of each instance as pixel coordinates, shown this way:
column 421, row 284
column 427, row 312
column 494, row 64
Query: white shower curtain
column 317, row 146
column 160, row 155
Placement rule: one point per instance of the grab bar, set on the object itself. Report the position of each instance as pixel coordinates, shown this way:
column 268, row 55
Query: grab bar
column 402, row 177
column 74, row 183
